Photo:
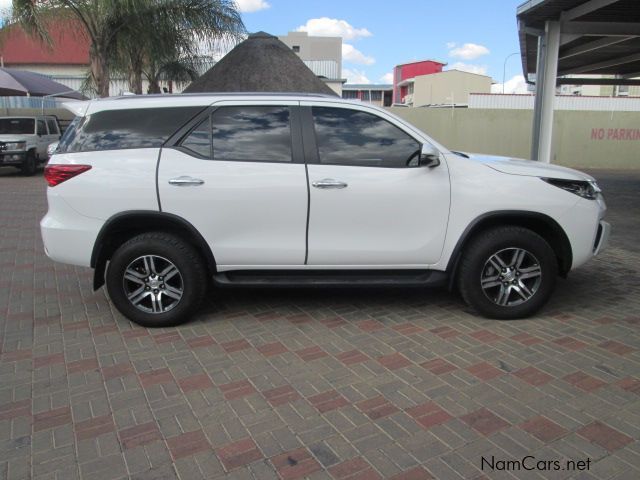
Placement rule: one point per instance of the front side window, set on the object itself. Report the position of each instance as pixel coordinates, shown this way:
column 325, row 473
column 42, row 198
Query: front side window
column 356, row 138
column 251, row 133
column 53, row 127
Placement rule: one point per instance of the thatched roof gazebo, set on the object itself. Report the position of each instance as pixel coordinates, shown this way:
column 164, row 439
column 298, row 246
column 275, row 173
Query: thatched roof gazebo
column 261, row 63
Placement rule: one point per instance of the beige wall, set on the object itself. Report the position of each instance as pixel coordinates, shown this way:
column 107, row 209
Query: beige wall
column 315, row 48
column 448, row 87
column 581, row 139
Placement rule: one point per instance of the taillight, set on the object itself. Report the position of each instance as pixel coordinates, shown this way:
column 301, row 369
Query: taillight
column 56, row 174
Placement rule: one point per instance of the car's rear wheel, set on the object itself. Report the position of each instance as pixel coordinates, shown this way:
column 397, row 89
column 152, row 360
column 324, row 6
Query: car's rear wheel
column 507, row 273
column 28, row 166
column 156, row 280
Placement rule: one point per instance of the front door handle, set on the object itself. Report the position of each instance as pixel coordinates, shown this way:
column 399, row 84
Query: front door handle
column 185, row 181
column 329, row 183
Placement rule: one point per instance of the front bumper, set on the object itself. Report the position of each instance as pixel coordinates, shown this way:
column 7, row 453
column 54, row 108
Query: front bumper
column 12, row 158
column 602, row 237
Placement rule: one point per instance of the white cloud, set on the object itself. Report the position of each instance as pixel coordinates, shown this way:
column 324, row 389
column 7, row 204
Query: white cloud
column 468, row 67
column 450, row 45
column 355, row 76
column 353, row 55
column 5, row 5
column 387, row 78
column 516, row 84
column 247, row 6
column 468, row 51
column 332, row 27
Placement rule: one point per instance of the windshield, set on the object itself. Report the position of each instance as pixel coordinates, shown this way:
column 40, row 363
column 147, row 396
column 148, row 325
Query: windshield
column 17, row 126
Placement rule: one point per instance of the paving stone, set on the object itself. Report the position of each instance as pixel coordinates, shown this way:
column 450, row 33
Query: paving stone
column 380, row 383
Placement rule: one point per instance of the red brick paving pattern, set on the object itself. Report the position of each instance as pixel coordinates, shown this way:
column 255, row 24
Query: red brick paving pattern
column 359, row 384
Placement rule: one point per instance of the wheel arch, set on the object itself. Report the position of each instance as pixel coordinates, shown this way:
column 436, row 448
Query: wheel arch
column 542, row 224
column 125, row 225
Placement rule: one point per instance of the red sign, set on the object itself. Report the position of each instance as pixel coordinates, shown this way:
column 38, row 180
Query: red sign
column 615, row 134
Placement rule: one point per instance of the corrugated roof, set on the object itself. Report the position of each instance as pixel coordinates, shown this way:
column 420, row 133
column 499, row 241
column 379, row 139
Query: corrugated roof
column 600, row 37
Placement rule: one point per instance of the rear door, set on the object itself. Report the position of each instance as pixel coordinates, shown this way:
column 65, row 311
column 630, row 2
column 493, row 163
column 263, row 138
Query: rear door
column 371, row 204
column 238, row 176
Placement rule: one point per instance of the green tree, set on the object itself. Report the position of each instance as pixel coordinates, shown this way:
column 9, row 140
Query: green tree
column 142, row 30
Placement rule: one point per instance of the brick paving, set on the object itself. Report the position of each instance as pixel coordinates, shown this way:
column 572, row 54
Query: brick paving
column 322, row 384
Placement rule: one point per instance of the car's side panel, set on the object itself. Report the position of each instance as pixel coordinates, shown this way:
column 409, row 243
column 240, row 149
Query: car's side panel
column 119, row 180
column 477, row 190
column 386, row 216
column 68, row 236
column 249, row 212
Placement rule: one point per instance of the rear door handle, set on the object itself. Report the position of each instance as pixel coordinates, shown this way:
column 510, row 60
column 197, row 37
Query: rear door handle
column 185, row 181
column 329, row 183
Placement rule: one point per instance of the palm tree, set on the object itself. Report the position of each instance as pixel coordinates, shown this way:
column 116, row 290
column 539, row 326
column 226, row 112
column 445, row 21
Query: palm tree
column 174, row 26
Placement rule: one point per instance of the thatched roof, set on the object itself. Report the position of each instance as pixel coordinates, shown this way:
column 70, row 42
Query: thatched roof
column 261, row 63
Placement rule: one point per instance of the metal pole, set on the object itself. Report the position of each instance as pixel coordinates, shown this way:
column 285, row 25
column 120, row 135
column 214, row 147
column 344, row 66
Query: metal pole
column 504, row 69
column 537, row 110
column 552, row 34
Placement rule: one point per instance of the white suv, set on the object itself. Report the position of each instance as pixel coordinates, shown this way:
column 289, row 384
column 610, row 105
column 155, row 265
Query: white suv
column 24, row 141
column 161, row 195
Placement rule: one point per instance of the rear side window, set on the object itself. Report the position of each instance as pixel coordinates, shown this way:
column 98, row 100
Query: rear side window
column 53, row 126
column 356, row 138
column 42, row 128
column 123, row 129
column 199, row 140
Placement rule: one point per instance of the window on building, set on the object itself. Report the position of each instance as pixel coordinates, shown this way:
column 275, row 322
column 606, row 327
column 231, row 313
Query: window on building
column 247, row 133
column 364, row 95
column 296, row 48
column 355, row 138
column 376, row 95
column 350, row 94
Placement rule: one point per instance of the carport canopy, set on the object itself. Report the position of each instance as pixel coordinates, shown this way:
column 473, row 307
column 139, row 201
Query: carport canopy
column 577, row 38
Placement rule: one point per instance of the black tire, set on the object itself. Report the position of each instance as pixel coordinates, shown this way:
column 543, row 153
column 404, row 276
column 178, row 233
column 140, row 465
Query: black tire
column 28, row 167
column 165, row 249
column 477, row 268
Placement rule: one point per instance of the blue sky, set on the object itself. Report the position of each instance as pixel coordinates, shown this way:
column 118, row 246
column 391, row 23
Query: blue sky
column 471, row 35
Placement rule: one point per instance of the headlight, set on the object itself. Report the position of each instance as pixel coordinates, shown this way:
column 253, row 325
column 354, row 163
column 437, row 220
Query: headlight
column 13, row 146
column 583, row 188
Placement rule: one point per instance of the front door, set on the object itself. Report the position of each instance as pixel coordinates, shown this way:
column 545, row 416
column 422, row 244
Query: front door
column 42, row 138
column 239, row 178
column 371, row 204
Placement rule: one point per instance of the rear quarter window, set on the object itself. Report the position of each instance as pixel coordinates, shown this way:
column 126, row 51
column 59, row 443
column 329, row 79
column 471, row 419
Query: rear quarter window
column 125, row 129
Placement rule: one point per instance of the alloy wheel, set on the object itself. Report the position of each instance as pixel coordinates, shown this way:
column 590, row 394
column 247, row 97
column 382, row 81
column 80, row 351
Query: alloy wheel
column 153, row 284
column 511, row 277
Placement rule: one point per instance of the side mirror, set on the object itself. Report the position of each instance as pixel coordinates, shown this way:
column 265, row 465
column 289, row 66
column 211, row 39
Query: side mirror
column 51, row 149
column 429, row 156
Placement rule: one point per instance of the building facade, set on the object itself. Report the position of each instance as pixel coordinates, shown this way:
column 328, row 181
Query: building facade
column 404, row 74
column 376, row 94
column 451, row 87
column 67, row 59
column 323, row 55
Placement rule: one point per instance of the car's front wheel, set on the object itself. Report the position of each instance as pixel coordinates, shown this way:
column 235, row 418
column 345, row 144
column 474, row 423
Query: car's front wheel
column 29, row 164
column 156, row 280
column 507, row 273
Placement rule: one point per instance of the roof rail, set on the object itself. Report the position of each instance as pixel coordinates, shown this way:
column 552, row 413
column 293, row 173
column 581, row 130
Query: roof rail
column 221, row 94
